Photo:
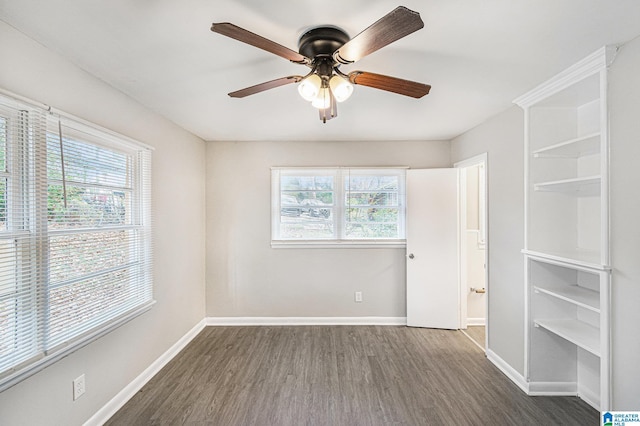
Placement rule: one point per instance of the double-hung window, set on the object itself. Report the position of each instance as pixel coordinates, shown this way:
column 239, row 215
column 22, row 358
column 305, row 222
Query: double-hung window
column 75, row 236
column 326, row 206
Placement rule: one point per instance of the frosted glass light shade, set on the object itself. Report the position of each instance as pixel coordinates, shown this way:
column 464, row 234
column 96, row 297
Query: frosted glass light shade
column 309, row 87
column 323, row 100
column 341, row 88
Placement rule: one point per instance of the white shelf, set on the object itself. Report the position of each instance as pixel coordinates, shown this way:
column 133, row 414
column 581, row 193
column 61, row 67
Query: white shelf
column 574, row 294
column 574, row 148
column 577, row 332
column 581, row 258
column 582, row 186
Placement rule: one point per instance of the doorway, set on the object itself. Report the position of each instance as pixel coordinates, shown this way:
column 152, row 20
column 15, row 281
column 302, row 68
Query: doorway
column 447, row 266
column 473, row 249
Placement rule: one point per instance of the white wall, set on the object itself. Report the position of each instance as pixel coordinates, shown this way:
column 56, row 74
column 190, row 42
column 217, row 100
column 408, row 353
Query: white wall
column 247, row 278
column 502, row 137
column 624, row 112
column 110, row 363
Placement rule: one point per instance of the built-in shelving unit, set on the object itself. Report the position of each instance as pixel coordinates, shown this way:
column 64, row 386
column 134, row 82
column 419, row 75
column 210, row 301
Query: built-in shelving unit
column 566, row 233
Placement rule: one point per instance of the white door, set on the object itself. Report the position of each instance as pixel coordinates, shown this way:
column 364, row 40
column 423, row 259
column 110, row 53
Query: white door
column 433, row 298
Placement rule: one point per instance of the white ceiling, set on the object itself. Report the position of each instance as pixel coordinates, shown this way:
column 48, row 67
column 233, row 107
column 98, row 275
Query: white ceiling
column 478, row 55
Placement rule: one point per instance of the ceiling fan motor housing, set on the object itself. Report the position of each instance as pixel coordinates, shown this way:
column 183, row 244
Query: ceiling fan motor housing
column 321, row 41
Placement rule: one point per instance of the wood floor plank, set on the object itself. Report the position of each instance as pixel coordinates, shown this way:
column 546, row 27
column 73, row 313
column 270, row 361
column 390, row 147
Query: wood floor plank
column 476, row 333
column 339, row 375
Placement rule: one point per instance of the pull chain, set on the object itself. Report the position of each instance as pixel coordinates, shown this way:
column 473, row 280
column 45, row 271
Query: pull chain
column 64, row 180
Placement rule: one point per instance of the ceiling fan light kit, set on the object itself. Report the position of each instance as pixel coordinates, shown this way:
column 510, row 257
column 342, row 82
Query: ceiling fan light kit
column 341, row 88
column 324, row 49
column 310, row 87
column 323, row 100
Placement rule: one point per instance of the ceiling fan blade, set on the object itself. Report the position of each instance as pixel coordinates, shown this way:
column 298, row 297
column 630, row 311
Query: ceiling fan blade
column 240, row 34
column 265, row 86
column 398, row 23
column 390, row 84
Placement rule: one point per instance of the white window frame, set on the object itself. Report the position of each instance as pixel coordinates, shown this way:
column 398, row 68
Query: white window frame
column 27, row 178
column 338, row 239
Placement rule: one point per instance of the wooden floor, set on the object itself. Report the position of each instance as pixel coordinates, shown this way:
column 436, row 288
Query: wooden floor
column 476, row 333
column 339, row 375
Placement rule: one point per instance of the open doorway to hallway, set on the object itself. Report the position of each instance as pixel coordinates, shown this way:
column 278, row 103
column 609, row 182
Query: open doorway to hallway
column 473, row 248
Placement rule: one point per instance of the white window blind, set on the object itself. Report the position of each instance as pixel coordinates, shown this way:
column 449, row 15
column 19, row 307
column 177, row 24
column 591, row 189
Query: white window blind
column 334, row 205
column 75, row 236
column 21, row 328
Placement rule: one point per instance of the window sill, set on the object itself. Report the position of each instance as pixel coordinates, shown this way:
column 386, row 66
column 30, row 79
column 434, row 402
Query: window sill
column 279, row 244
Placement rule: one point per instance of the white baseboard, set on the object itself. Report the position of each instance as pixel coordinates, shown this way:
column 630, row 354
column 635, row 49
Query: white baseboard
column 543, row 388
column 508, row 370
column 476, row 321
column 553, row 389
column 239, row 321
column 564, row 389
column 591, row 398
column 121, row 398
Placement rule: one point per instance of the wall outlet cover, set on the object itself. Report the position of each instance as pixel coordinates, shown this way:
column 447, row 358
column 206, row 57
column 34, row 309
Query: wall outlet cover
column 78, row 387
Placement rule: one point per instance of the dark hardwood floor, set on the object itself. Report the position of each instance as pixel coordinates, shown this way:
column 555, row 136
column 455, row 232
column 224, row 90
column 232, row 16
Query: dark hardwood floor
column 339, row 375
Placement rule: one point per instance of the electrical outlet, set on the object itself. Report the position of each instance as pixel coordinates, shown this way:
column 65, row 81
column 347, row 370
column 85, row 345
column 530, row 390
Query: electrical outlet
column 358, row 296
column 78, row 387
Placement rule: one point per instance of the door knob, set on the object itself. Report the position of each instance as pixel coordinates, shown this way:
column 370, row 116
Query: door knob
column 411, row 256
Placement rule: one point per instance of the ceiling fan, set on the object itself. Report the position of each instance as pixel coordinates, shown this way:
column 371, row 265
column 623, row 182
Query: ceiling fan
column 324, row 49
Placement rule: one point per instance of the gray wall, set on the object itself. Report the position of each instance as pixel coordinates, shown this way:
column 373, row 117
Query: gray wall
column 113, row 361
column 502, row 138
column 247, row 278
column 624, row 112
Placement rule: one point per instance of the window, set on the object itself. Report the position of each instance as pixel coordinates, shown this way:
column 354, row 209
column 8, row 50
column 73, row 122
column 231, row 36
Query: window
column 338, row 205
column 75, row 236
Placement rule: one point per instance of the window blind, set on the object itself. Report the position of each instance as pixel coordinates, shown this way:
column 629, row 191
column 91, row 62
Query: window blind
column 75, row 236
column 22, row 328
